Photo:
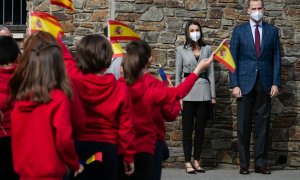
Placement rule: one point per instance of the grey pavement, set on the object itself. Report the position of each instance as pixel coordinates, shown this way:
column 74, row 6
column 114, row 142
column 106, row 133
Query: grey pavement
column 223, row 174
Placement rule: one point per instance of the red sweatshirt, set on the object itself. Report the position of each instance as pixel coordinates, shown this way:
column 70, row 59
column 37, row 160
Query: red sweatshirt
column 5, row 74
column 107, row 107
column 42, row 143
column 144, row 99
column 168, row 111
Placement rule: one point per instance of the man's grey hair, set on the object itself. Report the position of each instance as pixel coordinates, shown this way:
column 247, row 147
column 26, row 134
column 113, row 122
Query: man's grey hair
column 3, row 28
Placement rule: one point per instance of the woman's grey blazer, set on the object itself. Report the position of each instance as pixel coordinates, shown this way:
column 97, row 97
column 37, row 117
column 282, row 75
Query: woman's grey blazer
column 203, row 90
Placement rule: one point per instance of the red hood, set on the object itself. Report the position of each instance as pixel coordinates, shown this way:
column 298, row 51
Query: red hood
column 137, row 90
column 93, row 84
column 6, row 74
column 27, row 106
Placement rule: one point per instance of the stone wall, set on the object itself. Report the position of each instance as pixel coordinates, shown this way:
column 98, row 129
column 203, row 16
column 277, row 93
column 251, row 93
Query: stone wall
column 161, row 23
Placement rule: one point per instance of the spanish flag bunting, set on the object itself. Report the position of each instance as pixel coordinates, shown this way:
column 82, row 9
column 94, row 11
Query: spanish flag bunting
column 120, row 31
column 223, row 55
column 117, row 49
column 64, row 3
column 96, row 157
column 42, row 21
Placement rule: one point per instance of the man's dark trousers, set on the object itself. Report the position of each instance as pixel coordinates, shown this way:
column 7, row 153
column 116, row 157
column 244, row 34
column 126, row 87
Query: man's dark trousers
column 256, row 105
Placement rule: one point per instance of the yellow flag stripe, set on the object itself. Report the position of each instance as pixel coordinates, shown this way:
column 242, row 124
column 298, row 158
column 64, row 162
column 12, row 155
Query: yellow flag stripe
column 120, row 31
column 39, row 24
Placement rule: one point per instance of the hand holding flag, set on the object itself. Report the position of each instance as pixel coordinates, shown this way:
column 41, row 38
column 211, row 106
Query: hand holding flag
column 163, row 76
column 223, row 55
column 80, row 170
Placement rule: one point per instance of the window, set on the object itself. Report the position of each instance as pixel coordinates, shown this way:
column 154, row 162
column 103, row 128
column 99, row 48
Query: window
column 13, row 15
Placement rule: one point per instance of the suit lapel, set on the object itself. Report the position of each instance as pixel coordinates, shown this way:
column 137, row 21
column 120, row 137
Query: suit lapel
column 249, row 38
column 191, row 56
column 265, row 35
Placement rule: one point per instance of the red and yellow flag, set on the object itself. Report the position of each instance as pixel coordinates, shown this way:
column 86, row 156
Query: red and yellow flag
column 42, row 21
column 223, row 55
column 117, row 49
column 96, row 157
column 120, row 31
column 64, row 3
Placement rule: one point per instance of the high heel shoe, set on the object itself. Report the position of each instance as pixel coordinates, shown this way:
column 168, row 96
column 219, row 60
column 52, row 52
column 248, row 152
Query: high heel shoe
column 197, row 167
column 189, row 168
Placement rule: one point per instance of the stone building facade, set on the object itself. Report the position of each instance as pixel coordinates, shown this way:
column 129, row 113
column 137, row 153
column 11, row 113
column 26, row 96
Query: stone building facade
column 161, row 23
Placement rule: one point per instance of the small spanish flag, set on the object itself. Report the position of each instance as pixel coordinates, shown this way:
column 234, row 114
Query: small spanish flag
column 162, row 74
column 42, row 21
column 64, row 3
column 117, row 48
column 96, row 157
column 164, row 77
column 223, row 55
column 120, row 31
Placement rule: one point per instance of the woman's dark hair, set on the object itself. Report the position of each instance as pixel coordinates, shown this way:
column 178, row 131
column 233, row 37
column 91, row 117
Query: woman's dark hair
column 40, row 70
column 189, row 41
column 9, row 50
column 248, row 3
column 93, row 54
column 135, row 59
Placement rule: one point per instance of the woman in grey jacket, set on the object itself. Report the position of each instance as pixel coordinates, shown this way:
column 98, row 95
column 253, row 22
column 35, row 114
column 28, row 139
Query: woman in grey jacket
column 196, row 104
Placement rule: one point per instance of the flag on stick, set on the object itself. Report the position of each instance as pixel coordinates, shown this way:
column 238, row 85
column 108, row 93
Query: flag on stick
column 117, row 49
column 120, row 31
column 64, row 3
column 223, row 55
column 42, row 21
column 164, row 77
column 96, row 157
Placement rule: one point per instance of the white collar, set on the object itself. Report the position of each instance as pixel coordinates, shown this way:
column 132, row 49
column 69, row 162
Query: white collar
column 252, row 23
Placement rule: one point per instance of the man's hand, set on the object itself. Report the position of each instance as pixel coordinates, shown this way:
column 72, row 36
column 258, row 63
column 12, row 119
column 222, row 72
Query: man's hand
column 274, row 91
column 236, row 92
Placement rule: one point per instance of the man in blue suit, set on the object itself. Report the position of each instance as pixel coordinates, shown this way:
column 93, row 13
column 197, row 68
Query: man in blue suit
column 255, row 48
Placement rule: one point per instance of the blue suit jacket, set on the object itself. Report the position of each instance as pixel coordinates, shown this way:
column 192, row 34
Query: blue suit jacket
column 248, row 65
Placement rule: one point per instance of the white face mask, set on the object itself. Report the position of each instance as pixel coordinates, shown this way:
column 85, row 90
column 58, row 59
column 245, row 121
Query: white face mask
column 195, row 36
column 257, row 15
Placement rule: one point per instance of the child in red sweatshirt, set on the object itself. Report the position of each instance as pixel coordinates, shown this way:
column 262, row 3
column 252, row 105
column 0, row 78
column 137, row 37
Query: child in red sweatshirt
column 41, row 128
column 160, row 114
column 138, row 55
column 9, row 52
column 107, row 106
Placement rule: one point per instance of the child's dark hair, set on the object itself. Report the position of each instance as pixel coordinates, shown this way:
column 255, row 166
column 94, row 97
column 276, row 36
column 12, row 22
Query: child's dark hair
column 9, row 50
column 93, row 54
column 189, row 41
column 136, row 58
column 40, row 70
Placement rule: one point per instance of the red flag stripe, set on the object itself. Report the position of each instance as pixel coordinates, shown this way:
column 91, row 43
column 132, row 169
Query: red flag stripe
column 113, row 22
column 125, row 38
column 62, row 4
column 231, row 69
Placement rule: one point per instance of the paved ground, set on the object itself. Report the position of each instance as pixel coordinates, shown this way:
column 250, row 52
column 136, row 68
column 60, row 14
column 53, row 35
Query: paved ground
column 221, row 174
